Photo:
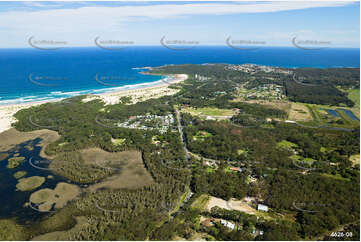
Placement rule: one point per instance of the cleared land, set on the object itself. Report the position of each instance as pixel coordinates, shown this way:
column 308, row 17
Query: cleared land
column 232, row 204
column 58, row 197
column 282, row 105
column 299, row 112
column 129, row 167
column 209, row 111
column 242, row 206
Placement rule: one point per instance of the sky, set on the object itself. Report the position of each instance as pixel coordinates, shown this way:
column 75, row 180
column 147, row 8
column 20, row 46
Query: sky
column 335, row 24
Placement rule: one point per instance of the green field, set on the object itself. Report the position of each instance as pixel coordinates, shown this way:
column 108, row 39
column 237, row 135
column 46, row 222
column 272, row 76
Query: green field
column 208, row 111
column 354, row 95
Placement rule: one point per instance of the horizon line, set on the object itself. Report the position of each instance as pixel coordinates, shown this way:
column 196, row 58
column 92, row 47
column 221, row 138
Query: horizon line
column 193, row 47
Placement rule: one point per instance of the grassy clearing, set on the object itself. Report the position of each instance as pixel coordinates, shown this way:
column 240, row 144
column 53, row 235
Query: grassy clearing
column 301, row 159
column 30, row 183
column 207, row 111
column 354, row 95
column 312, row 112
column 58, row 197
column 201, row 202
column 299, row 112
column 282, row 105
column 130, row 171
column 209, row 170
column 286, row 144
column 118, row 142
column 182, row 198
column 338, row 177
column 240, row 152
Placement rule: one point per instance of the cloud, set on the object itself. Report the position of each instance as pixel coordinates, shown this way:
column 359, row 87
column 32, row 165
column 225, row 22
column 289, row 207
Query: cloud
column 86, row 21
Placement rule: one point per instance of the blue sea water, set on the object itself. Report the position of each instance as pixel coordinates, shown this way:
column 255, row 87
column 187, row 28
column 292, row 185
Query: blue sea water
column 72, row 71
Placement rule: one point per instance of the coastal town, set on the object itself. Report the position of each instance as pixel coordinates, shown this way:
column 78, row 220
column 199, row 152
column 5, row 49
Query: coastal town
column 253, row 69
column 149, row 122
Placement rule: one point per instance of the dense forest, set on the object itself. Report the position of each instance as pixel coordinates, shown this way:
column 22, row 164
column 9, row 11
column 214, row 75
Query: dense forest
column 308, row 85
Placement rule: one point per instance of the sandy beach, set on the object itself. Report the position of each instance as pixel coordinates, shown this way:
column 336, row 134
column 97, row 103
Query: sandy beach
column 137, row 95
column 141, row 93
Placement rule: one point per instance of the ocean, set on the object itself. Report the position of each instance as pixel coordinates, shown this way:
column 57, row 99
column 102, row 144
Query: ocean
column 29, row 75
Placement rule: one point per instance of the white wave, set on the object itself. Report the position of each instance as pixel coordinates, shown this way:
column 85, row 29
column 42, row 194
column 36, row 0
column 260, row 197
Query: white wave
column 54, row 95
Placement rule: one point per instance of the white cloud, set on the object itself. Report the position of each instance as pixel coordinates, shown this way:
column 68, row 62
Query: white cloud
column 85, row 22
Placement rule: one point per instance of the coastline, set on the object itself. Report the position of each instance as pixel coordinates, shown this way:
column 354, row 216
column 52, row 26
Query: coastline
column 137, row 93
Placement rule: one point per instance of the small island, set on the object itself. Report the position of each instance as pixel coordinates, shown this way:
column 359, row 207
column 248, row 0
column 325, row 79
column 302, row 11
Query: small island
column 30, row 183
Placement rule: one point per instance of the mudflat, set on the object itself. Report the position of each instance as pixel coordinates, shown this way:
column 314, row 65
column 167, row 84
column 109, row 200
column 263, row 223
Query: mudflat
column 10, row 138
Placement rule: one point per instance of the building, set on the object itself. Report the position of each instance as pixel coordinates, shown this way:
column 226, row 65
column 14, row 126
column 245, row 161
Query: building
column 239, row 169
column 208, row 223
column 228, row 224
column 257, row 232
column 290, row 121
column 262, row 207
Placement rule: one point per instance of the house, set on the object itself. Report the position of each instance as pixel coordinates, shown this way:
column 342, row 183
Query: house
column 239, row 169
column 262, row 207
column 228, row 224
column 210, row 118
column 290, row 121
column 208, row 223
column 257, row 232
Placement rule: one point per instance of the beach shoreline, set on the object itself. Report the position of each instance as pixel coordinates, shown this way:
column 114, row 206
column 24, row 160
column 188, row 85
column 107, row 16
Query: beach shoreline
column 139, row 93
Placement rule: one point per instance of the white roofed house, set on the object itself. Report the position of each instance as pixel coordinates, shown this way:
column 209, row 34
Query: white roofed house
column 228, row 224
column 261, row 207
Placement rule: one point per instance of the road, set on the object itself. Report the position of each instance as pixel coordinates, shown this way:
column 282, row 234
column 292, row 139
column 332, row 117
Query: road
column 187, row 152
column 181, row 133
